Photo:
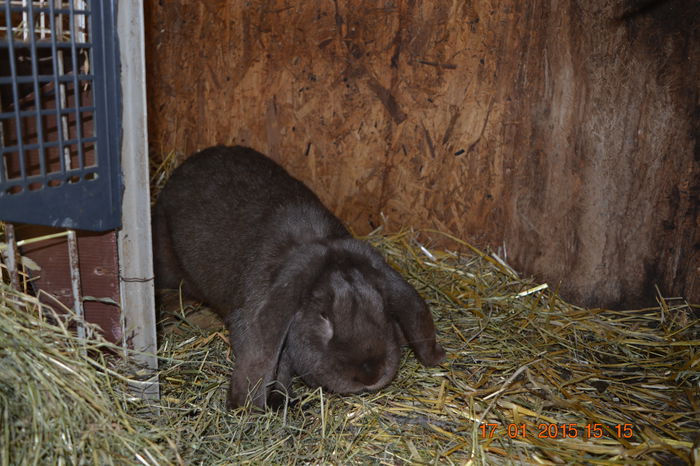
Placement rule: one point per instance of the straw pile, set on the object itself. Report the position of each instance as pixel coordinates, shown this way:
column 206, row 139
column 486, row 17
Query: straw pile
column 518, row 355
column 61, row 401
column 588, row 385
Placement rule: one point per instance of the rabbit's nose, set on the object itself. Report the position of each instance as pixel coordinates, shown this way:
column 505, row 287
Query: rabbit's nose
column 368, row 372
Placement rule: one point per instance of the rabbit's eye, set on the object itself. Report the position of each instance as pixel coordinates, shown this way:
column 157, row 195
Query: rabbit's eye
column 326, row 327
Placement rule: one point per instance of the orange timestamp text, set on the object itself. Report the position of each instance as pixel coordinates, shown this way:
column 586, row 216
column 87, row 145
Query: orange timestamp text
column 550, row 430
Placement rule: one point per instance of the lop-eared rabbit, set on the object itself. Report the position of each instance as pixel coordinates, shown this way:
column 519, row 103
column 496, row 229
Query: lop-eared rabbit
column 298, row 294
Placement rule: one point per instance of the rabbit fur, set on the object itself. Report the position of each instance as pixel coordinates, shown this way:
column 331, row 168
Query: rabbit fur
column 298, row 294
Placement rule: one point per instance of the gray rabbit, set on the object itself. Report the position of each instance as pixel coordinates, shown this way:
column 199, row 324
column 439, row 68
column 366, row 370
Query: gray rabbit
column 298, row 294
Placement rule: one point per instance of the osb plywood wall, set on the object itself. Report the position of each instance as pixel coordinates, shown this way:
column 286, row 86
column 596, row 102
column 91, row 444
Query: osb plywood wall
column 566, row 131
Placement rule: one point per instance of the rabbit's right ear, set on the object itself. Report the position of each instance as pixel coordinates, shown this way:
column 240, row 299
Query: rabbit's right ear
column 257, row 345
column 258, row 334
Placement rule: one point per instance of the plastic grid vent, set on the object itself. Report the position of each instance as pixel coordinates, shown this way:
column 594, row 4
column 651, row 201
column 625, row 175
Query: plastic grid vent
column 59, row 114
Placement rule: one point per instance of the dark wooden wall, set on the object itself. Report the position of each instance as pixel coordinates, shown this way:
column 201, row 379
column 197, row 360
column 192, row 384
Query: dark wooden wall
column 566, row 131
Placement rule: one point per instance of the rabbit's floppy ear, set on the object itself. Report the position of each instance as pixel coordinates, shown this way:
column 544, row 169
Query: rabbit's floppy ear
column 405, row 305
column 258, row 348
column 259, row 332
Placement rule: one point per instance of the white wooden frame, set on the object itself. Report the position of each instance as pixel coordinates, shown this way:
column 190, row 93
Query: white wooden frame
column 134, row 239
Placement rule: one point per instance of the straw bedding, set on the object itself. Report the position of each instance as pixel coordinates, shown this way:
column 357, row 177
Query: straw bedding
column 63, row 400
column 529, row 379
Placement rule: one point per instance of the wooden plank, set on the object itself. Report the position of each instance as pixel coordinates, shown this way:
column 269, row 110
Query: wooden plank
column 99, row 272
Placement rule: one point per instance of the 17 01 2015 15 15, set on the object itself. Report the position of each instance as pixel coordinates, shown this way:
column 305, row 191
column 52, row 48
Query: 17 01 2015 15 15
column 551, row 430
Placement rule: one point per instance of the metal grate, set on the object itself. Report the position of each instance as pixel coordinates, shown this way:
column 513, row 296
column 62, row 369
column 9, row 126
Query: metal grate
column 59, row 114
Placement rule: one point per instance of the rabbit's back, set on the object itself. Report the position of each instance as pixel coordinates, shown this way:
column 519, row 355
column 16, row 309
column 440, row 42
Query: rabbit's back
column 235, row 179
column 224, row 216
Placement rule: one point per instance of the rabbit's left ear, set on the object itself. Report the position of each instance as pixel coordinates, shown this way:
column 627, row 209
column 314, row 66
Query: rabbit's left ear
column 406, row 307
column 258, row 334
